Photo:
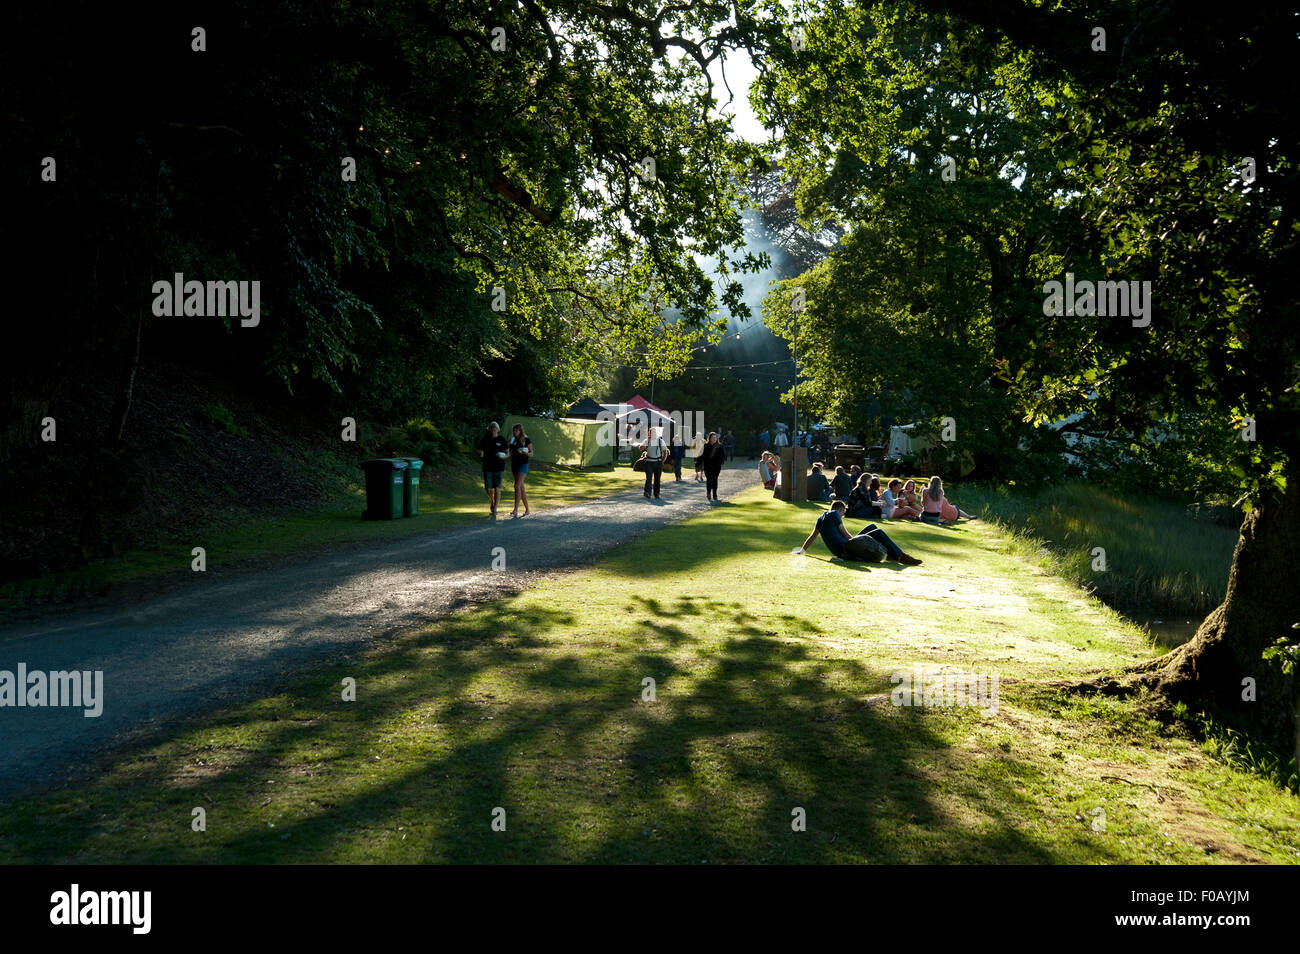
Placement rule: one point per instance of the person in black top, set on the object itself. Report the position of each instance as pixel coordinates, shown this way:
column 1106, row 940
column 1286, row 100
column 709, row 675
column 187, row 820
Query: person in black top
column 841, row 484
column 877, row 510
column 494, row 450
column 676, row 454
column 712, row 456
column 871, row 545
column 864, row 500
column 819, row 488
column 521, row 452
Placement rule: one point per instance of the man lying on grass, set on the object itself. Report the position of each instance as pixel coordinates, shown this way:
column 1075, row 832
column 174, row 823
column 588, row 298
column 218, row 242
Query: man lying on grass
column 870, row 546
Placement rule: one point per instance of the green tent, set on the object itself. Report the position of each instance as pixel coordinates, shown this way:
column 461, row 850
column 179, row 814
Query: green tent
column 573, row 443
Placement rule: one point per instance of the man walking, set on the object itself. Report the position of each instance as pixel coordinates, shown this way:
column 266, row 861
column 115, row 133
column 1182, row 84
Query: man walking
column 494, row 449
column 655, row 452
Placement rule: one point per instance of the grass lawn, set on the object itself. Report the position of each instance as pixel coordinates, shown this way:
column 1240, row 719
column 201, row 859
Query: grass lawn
column 772, row 693
column 1161, row 557
column 241, row 541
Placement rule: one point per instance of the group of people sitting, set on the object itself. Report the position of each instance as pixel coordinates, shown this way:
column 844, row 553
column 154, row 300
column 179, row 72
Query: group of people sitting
column 863, row 499
column 858, row 495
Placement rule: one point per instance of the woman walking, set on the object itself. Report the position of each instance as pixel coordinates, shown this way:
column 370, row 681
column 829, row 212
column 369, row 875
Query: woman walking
column 697, row 451
column 521, row 452
column 712, row 457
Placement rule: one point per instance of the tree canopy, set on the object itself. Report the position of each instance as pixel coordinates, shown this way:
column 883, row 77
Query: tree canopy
column 1120, row 143
column 424, row 190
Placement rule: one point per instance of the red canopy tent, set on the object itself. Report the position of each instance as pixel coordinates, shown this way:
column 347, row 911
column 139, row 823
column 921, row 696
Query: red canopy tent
column 635, row 422
column 641, row 404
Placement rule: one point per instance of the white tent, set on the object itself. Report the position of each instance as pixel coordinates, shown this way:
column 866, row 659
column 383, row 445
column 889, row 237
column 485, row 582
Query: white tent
column 901, row 443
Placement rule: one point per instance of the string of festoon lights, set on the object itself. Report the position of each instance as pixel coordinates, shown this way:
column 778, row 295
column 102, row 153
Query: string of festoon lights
column 751, row 370
column 759, row 372
column 729, row 336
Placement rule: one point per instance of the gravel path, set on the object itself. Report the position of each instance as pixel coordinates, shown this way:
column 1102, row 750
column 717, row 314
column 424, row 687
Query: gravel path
column 206, row 646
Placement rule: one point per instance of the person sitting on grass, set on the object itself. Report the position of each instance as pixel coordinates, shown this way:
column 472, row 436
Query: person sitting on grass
column 859, row 502
column 871, row 545
column 767, row 469
column 841, row 485
column 893, row 503
column 936, row 508
column 819, row 488
column 877, row 505
column 908, row 497
column 885, row 498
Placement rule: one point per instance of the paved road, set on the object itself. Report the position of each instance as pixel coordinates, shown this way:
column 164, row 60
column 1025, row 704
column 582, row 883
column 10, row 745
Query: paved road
column 206, row 646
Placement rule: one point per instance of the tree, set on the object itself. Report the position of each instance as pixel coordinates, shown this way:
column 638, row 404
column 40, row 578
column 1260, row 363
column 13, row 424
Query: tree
column 913, row 138
column 528, row 176
column 801, row 243
column 1152, row 129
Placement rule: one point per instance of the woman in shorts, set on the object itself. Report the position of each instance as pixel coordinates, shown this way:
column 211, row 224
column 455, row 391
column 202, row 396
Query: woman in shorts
column 521, row 452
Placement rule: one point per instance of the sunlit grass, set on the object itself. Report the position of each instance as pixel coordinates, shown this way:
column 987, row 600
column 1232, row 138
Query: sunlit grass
column 1160, row 556
column 772, row 676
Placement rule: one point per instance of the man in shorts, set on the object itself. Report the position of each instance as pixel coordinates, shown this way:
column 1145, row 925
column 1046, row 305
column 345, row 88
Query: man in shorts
column 494, row 449
column 872, row 545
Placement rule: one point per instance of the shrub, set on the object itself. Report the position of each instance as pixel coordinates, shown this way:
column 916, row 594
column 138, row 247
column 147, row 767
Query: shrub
column 220, row 415
column 429, row 452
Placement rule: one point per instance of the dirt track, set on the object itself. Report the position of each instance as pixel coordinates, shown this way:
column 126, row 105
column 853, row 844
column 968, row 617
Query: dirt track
column 204, row 646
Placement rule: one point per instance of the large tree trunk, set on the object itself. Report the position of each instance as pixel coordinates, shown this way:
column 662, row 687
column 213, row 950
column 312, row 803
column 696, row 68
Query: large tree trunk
column 1260, row 606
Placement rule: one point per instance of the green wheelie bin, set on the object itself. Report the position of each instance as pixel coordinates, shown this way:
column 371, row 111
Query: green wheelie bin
column 385, row 488
column 411, row 489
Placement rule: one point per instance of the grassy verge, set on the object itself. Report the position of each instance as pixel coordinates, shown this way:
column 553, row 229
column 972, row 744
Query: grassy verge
column 771, row 694
column 1159, row 557
column 240, row 540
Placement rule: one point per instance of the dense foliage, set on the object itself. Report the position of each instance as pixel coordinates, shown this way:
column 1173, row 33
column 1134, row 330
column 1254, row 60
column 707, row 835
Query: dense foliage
column 978, row 153
column 967, row 172
column 533, row 185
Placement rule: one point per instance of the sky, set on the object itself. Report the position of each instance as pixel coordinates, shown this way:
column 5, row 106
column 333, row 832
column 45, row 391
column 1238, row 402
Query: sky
column 740, row 73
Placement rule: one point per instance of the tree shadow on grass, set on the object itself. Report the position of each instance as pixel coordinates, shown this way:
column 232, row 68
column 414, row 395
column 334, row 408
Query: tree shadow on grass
column 538, row 712
column 499, row 708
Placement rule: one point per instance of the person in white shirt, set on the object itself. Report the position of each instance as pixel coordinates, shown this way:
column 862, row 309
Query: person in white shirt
column 887, row 500
column 656, row 451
